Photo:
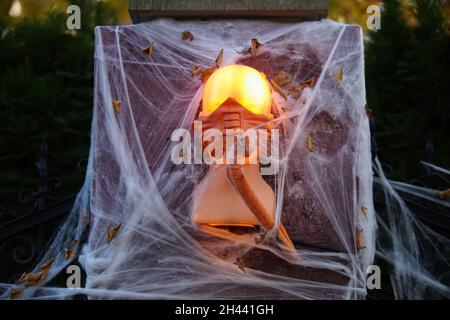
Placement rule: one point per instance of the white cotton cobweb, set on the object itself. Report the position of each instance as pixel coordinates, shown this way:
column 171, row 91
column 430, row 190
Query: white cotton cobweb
column 418, row 255
column 323, row 190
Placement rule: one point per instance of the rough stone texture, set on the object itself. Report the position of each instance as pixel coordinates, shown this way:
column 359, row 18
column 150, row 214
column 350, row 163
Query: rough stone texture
column 300, row 10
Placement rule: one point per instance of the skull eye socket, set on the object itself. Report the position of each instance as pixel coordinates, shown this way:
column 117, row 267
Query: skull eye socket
column 246, row 85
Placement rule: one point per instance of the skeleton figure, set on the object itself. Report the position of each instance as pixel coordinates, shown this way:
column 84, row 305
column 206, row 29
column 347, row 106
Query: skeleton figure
column 236, row 98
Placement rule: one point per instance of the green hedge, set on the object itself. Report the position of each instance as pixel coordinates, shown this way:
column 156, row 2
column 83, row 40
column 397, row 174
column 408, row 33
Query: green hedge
column 408, row 87
column 46, row 82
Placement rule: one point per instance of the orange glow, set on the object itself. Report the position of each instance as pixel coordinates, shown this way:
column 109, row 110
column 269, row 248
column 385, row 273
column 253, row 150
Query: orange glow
column 246, row 85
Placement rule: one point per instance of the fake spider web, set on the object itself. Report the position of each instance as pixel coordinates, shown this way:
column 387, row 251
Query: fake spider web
column 135, row 193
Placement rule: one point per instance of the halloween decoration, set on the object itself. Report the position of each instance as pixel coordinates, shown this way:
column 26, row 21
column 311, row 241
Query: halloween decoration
column 236, row 97
column 207, row 227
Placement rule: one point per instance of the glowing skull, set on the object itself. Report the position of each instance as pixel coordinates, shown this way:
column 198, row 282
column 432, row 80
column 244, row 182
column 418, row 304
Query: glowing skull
column 244, row 84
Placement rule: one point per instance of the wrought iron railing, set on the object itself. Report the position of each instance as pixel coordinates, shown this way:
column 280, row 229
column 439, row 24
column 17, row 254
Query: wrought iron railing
column 23, row 236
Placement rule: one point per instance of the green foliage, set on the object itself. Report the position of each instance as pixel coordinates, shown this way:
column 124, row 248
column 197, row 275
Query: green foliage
column 408, row 87
column 46, row 83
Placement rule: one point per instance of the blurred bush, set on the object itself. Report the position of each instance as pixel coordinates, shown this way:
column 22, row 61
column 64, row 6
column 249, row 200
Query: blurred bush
column 46, row 81
column 408, row 86
column 38, row 9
